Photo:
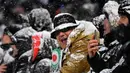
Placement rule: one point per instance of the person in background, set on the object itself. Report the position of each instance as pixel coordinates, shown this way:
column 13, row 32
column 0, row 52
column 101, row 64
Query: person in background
column 110, row 10
column 8, row 50
column 35, row 44
column 2, row 66
column 72, row 38
column 107, row 22
column 121, row 62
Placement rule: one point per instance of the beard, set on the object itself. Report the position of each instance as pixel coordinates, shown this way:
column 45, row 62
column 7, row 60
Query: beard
column 123, row 33
column 108, row 38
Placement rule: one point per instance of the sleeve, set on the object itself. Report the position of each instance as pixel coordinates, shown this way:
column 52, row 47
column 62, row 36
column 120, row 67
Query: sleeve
column 76, row 61
column 97, row 63
column 123, row 66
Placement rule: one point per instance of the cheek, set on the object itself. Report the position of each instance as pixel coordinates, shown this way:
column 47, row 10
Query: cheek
column 58, row 40
column 60, row 43
column 68, row 32
column 127, row 22
column 123, row 21
column 108, row 27
column 6, row 39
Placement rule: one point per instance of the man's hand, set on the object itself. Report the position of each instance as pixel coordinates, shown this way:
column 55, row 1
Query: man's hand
column 3, row 68
column 92, row 47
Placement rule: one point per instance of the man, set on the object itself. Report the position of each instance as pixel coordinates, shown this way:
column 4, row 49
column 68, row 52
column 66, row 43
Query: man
column 72, row 39
column 121, row 61
column 110, row 10
column 35, row 44
column 8, row 50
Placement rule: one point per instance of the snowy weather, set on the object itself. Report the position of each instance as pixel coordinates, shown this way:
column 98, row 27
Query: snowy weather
column 64, row 36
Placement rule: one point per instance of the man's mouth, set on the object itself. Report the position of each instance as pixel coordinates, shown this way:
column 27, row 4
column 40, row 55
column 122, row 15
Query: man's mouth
column 64, row 40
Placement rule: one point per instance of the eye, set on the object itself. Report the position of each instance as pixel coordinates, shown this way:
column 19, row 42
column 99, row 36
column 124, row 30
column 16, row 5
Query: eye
column 65, row 30
column 123, row 17
column 56, row 33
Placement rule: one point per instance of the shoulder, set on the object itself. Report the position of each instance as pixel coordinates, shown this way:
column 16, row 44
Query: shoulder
column 28, row 31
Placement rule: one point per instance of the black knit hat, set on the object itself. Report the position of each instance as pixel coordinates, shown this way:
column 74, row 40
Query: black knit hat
column 61, row 21
column 124, row 9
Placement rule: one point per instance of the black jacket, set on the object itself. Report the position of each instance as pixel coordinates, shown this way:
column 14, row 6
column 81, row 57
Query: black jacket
column 116, row 59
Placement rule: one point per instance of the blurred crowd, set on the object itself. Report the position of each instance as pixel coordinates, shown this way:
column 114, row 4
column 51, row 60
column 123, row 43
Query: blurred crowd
column 10, row 9
column 64, row 36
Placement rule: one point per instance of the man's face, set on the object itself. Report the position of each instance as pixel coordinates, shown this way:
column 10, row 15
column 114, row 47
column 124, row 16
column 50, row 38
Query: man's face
column 106, row 27
column 62, row 36
column 39, row 23
column 122, row 31
column 123, row 20
column 6, row 39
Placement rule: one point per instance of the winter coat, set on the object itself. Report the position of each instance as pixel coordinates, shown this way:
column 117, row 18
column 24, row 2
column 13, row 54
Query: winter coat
column 114, row 60
column 74, row 59
column 34, row 54
column 38, row 59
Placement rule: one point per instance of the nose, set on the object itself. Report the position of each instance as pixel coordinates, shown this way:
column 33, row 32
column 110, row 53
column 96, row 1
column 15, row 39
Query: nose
column 61, row 34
